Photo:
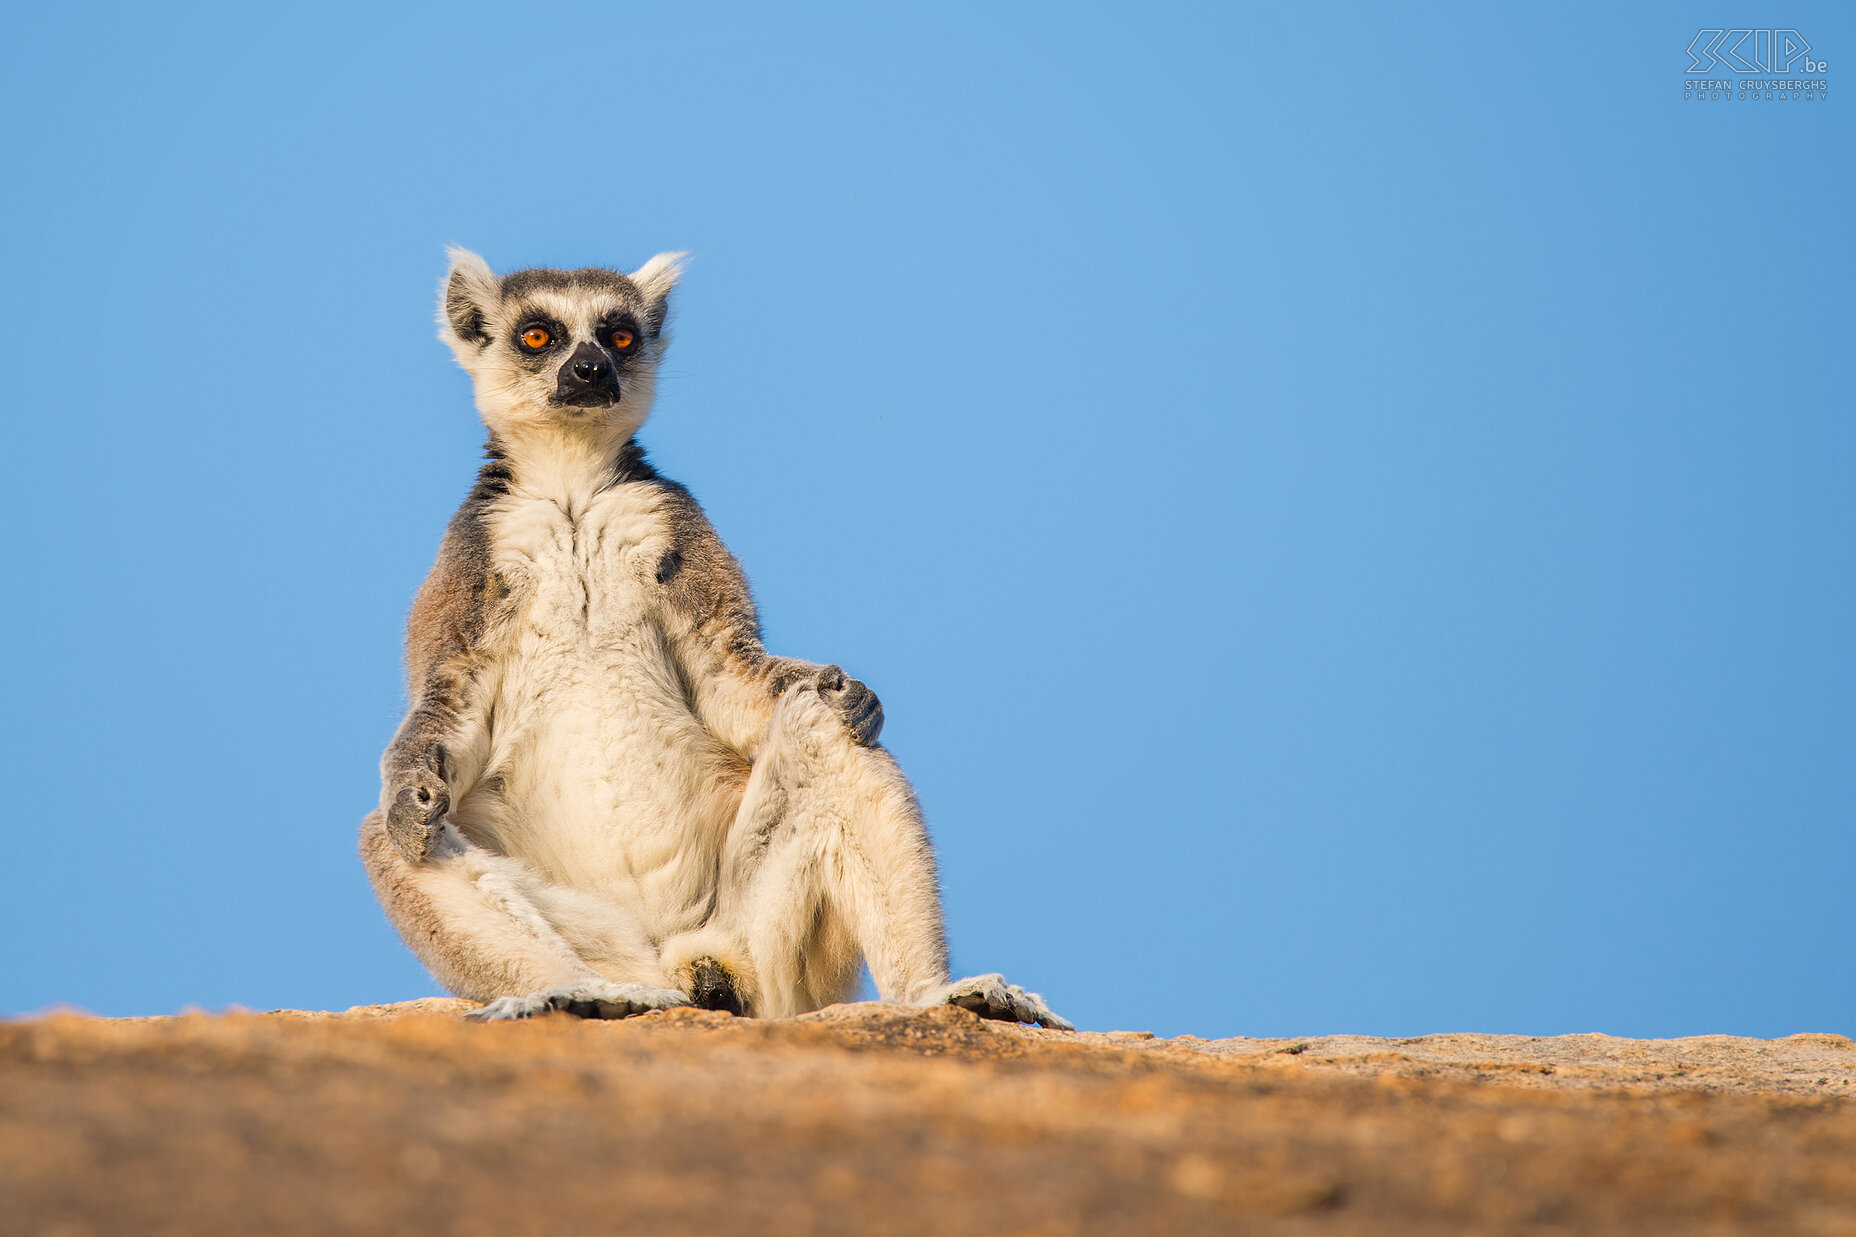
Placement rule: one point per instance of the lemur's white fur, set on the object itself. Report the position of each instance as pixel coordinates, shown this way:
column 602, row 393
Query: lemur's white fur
column 636, row 791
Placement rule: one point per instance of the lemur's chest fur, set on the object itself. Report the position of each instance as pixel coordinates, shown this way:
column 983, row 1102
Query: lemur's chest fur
column 600, row 774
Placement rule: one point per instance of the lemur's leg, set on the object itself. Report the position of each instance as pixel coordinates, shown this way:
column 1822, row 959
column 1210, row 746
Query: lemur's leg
column 829, row 858
column 492, row 930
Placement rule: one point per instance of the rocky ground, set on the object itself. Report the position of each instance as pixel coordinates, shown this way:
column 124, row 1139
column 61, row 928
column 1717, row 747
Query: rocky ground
column 880, row 1119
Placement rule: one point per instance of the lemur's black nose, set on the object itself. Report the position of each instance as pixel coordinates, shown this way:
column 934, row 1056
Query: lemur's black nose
column 587, row 379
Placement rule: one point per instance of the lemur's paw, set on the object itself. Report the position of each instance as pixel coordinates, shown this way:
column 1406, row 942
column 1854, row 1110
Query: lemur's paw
column 854, row 702
column 416, row 813
column 990, row 996
column 582, row 1000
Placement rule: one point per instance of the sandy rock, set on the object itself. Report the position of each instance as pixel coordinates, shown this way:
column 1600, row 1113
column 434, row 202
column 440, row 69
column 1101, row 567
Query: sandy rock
column 875, row 1118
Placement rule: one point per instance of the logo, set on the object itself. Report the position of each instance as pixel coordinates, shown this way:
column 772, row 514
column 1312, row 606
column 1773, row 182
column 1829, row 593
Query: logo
column 1788, row 46
column 1779, row 63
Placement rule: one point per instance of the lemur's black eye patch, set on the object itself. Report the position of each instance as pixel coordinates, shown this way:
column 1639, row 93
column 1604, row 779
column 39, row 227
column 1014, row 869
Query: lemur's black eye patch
column 537, row 331
column 619, row 330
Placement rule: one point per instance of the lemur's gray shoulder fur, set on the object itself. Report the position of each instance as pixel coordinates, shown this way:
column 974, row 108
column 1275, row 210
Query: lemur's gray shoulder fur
column 703, row 581
column 453, row 610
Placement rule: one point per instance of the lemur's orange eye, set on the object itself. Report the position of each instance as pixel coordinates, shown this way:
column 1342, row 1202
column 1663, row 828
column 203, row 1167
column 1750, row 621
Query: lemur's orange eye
column 536, row 337
column 621, row 339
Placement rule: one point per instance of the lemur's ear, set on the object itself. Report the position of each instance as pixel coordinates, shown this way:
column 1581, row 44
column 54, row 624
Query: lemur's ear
column 470, row 289
column 655, row 279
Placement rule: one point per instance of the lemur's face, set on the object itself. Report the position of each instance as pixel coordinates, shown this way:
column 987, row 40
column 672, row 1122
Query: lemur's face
column 566, row 347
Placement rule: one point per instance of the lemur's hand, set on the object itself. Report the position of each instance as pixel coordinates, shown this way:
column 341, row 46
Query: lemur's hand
column 416, row 802
column 855, row 703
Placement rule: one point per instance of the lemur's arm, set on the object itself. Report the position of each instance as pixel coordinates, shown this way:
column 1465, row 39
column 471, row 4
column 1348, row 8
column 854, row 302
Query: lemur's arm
column 442, row 746
column 715, row 633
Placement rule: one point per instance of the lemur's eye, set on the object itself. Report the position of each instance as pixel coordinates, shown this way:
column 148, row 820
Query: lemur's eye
column 536, row 338
column 621, row 339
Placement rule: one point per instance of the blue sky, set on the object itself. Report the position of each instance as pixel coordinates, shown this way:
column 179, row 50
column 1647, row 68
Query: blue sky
column 1349, row 514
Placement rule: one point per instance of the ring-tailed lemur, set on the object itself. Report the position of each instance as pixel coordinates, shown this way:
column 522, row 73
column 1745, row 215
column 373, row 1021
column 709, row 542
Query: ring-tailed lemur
column 607, row 797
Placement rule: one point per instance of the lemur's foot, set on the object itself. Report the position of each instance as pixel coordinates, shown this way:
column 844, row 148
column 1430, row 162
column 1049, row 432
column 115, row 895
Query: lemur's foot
column 583, row 1000
column 854, row 702
column 990, row 996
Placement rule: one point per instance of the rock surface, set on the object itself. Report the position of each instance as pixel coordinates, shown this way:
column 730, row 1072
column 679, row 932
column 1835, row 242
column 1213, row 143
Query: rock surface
column 881, row 1119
